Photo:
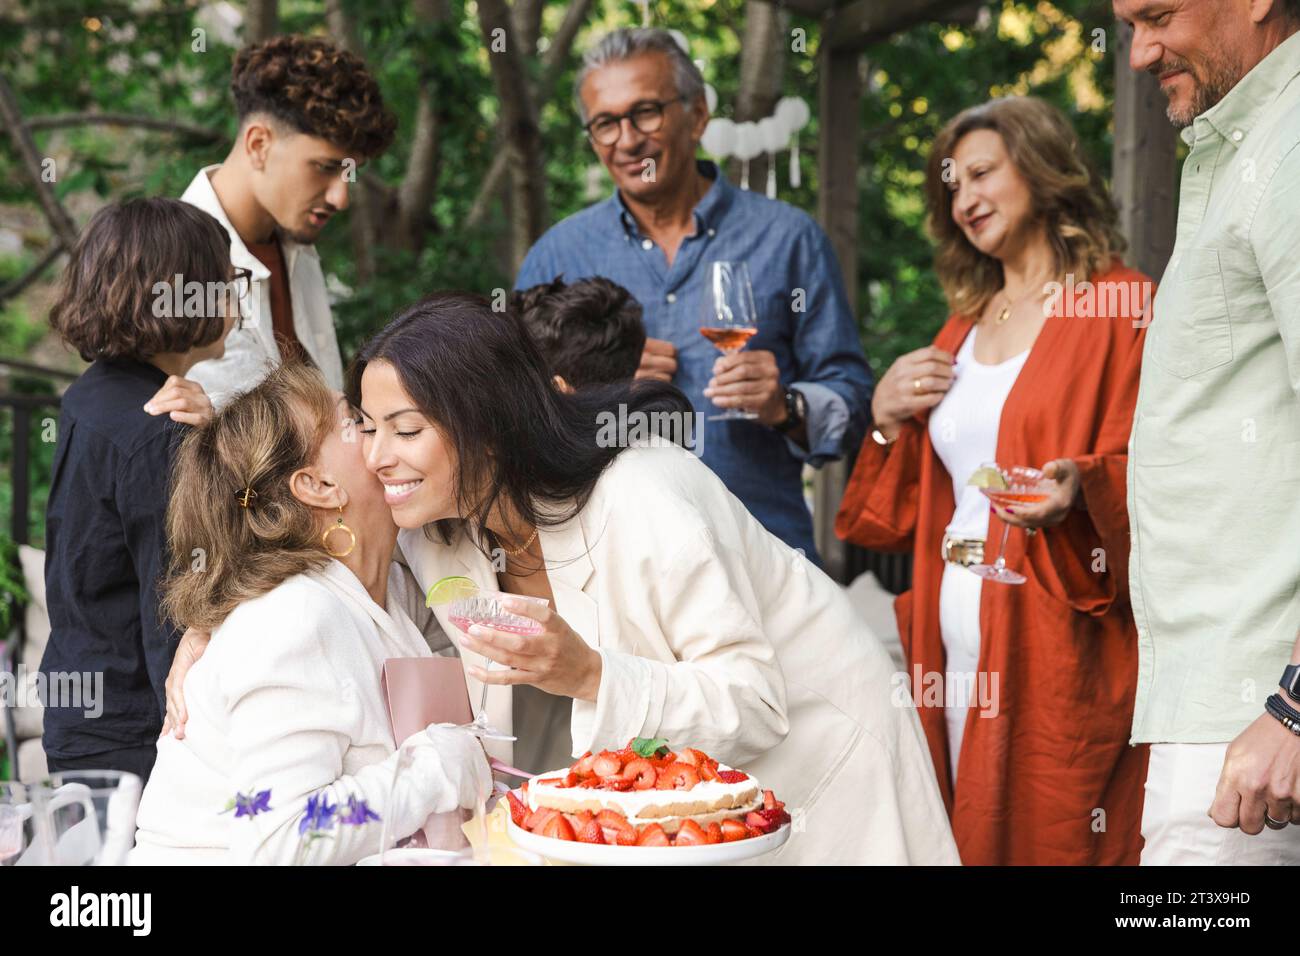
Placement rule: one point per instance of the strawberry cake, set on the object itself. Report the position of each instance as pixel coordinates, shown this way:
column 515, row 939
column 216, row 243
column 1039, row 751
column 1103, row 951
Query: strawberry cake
column 647, row 795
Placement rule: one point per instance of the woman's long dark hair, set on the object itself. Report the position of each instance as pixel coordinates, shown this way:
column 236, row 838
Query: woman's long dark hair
column 478, row 375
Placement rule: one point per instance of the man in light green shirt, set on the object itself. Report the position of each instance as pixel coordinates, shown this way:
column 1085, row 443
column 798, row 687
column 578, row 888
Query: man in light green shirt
column 1214, row 457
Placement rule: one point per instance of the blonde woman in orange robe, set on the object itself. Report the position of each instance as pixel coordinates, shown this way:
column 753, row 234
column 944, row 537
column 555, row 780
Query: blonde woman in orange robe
column 1025, row 692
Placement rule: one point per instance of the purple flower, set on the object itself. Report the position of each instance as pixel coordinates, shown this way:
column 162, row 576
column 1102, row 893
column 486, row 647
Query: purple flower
column 252, row 806
column 319, row 815
column 358, row 813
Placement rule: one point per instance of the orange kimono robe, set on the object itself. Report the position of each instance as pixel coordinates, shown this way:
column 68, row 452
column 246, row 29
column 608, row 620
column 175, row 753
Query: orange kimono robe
column 1051, row 779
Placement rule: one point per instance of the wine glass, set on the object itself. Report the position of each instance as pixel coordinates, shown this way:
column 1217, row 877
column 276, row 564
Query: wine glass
column 484, row 607
column 440, row 841
column 730, row 319
column 1007, row 486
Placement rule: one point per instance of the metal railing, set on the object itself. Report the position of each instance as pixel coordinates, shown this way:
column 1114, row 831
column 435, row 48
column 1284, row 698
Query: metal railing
column 23, row 408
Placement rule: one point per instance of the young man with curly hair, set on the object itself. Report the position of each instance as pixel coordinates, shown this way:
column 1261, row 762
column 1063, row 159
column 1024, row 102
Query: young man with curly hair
column 310, row 115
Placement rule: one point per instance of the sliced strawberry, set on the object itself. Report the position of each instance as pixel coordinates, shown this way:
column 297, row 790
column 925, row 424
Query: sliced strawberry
column 611, row 818
column 652, row 834
column 733, row 830
column 642, row 774
column 755, row 831
column 628, row 837
column 732, row 776
column 550, row 781
column 678, row 776
column 776, row 818
column 709, row 772
column 558, row 828
column 518, row 809
column 571, row 779
column 590, row 783
column 580, row 819
column 607, row 764
column 713, row 834
column 770, row 802
column 537, row 819
column 591, row 832
column 615, row 783
column 582, row 766
column 758, row 820
column 690, row 834
column 688, row 756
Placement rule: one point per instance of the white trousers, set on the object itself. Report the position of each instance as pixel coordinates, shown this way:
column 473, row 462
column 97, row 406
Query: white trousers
column 959, row 625
column 1176, row 825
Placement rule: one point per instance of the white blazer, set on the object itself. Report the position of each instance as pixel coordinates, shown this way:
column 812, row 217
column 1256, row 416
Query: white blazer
column 715, row 634
column 287, row 698
column 251, row 352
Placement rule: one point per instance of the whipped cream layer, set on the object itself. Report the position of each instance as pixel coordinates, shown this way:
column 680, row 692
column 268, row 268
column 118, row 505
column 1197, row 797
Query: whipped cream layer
column 649, row 806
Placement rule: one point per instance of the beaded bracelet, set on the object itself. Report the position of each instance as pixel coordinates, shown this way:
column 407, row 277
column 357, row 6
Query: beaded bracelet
column 1289, row 718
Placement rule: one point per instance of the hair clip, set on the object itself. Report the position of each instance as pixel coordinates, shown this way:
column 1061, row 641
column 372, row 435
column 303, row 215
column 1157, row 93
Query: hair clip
column 243, row 497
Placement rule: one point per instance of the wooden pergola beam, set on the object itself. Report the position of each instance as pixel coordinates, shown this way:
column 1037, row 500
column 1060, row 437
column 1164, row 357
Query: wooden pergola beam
column 861, row 23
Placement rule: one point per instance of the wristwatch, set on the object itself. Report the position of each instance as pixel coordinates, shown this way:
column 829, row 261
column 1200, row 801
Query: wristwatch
column 796, row 410
column 1291, row 681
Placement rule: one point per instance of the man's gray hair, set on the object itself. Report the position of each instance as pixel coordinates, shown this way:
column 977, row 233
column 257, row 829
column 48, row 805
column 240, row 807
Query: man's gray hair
column 632, row 42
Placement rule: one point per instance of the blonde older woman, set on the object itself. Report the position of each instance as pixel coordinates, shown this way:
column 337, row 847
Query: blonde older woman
column 673, row 612
column 1037, row 365
column 297, row 585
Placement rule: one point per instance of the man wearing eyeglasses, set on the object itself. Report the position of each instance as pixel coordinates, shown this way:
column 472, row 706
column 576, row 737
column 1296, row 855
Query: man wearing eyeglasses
column 309, row 115
column 671, row 217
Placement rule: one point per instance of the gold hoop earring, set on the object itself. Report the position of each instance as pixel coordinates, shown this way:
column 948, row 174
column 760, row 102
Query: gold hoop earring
column 340, row 526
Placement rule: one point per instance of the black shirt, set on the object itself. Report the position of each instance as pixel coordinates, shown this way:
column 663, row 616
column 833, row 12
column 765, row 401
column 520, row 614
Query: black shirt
column 105, row 540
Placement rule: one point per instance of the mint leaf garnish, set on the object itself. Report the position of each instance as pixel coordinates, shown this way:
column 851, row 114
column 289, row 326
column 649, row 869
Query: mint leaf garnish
column 649, row 746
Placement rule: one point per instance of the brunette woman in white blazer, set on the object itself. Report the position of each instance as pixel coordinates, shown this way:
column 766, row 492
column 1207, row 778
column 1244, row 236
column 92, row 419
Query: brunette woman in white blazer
column 673, row 613
column 299, row 590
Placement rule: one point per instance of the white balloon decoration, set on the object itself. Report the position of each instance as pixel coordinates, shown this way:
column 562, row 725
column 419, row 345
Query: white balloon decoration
column 794, row 114
column 772, row 134
column 719, row 138
column 748, row 145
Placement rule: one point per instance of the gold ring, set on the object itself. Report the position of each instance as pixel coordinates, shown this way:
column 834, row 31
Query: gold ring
column 916, row 384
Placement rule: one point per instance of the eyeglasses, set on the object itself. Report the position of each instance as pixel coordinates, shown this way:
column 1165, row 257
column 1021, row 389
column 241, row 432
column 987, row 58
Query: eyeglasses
column 646, row 117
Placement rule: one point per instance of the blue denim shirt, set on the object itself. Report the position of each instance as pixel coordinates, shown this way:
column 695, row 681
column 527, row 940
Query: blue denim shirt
column 803, row 319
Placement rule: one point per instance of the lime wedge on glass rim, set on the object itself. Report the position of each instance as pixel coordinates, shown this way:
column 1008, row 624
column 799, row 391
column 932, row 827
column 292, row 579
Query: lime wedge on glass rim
column 987, row 478
column 446, row 590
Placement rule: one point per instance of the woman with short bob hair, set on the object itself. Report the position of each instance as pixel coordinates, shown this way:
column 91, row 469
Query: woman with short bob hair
column 118, row 426
column 297, row 585
column 1036, row 366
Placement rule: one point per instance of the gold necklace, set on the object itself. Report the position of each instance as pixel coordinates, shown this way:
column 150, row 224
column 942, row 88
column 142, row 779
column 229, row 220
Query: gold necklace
column 522, row 548
column 1006, row 310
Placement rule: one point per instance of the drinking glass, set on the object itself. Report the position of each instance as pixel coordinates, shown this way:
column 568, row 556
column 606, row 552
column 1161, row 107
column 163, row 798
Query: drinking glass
column 24, row 832
column 484, row 607
column 92, row 816
column 730, row 319
column 1023, row 486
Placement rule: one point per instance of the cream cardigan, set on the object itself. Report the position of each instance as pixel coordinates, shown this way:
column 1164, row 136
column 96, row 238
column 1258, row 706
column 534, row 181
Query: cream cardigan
column 715, row 634
column 287, row 698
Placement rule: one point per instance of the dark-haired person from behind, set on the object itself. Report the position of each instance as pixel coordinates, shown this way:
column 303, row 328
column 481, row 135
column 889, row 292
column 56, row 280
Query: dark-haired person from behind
column 108, row 491
column 590, row 332
column 310, row 116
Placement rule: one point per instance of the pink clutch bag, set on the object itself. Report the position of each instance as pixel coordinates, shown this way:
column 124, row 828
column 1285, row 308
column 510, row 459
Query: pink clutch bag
column 420, row 691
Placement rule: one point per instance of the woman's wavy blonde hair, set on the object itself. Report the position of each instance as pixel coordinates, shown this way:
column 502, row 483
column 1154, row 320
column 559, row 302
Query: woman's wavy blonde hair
column 1068, row 195
column 223, row 553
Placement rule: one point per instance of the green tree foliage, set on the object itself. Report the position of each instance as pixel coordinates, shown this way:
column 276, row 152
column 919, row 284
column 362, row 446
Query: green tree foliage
column 75, row 56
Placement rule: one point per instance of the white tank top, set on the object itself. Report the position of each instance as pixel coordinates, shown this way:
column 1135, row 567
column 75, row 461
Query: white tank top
column 964, row 430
